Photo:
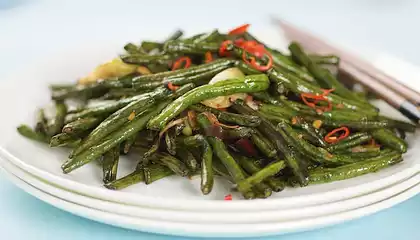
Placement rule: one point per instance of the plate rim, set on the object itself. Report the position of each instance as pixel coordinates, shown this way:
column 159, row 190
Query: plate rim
column 184, row 229
column 138, row 200
column 212, row 217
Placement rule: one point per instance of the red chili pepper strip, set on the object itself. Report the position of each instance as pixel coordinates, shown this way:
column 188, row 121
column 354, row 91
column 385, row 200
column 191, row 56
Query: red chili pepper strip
column 214, row 121
column 178, row 63
column 330, row 138
column 228, row 197
column 252, row 47
column 309, row 96
column 306, row 97
column 223, row 52
column 208, row 57
column 172, row 87
column 318, row 98
column 239, row 42
column 244, row 57
column 260, row 52
column 248, row 44
column 253, row 61
column 239, row 30
column 256, row 49
column 260, row 67
column 327, row 91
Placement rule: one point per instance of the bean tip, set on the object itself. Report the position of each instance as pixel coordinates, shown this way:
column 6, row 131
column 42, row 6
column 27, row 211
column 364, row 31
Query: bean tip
column 110, row 186
column 67, row 167
column 206, row 190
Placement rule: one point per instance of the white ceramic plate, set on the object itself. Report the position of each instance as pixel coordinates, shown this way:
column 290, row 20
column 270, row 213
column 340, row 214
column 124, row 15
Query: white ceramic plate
column 213, row 217
column 210, row 230
column 28, row 89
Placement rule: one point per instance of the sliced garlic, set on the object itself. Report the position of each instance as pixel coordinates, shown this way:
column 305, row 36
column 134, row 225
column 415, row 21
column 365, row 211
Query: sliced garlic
column 114, row 68
column 225, row 101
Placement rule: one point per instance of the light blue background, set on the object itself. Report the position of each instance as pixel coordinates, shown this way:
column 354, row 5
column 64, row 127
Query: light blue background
column 29, row 29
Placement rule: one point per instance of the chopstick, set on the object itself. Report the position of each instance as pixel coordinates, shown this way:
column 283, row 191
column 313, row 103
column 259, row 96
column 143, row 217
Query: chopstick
column 360, row 64
column 407, row 108
column 397, row 95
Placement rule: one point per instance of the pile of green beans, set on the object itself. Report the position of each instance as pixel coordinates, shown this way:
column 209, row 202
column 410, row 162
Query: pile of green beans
column 264, row 141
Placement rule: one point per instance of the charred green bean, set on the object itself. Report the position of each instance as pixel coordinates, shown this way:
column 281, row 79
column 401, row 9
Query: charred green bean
column 253, row 83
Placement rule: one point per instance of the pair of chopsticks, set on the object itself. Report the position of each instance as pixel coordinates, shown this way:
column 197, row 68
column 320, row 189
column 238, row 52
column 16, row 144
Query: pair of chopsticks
column 401, row 97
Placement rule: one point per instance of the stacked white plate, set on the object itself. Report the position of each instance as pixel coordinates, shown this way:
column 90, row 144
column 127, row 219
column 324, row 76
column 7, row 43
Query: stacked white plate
column 175, row 205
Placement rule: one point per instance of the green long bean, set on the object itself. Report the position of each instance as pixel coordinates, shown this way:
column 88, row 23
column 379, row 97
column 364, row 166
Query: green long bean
column 57, row 122
column 299, row 86
column 270, row 131
column 263, row 144
column 253, row 83
column 183, row 73
column 154, row 172
column 242, row 120
column 324, row 78
column 173, row 163
column 81, row 125
column 351, row 141
column 27, row 132
column 388, row 138
column 252, row 167
column 110, row 164
column 221, row 152
column 353, row 170
column 260, row 176
column 113, row 139
column 207, row 179
column 131, row 179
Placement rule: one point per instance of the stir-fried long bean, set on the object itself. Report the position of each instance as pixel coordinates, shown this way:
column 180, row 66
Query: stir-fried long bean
column 206, row 163
column 57, row 122
column 115, row 121
column 113, row 139
column 220, row 105
column 253, row 83
column 110, row 164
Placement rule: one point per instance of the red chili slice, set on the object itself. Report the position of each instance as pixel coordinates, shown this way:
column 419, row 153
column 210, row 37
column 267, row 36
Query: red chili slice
column 318, row 98
column 343, row 133
column 239, row 30
column 253, row 62
column 178, row 63
column 312, row 100
column 223, row 52
column 327, row 91
column 239, row 42
column 228, row 197
column 172, row 87
column 262, row 67
column 214, row 121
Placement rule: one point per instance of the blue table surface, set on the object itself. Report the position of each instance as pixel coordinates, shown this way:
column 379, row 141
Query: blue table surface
column 29, row 28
